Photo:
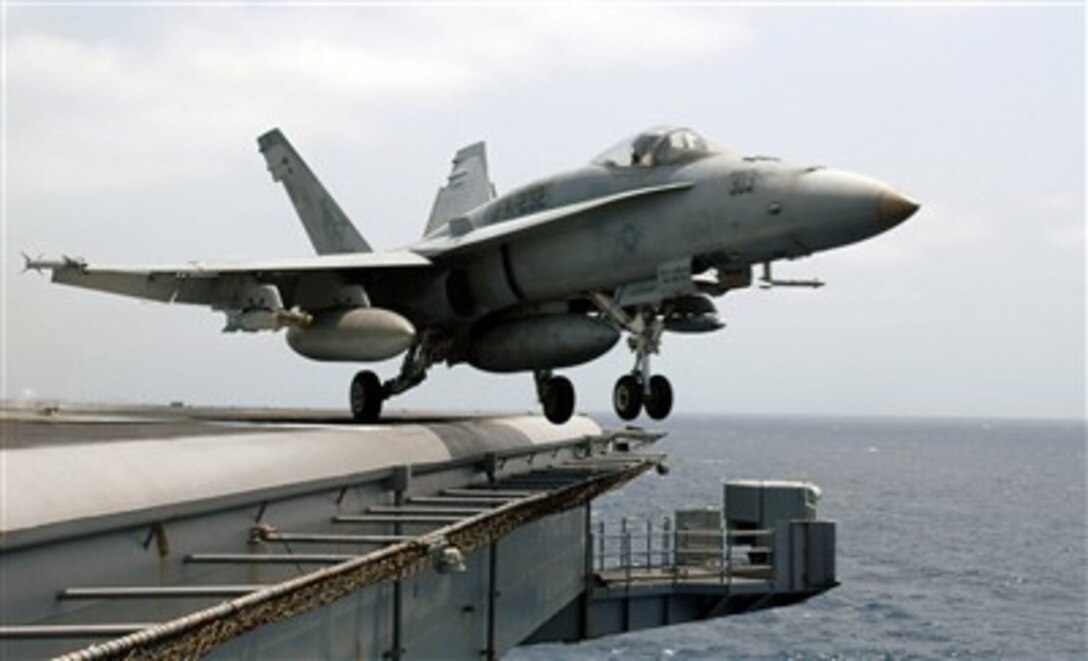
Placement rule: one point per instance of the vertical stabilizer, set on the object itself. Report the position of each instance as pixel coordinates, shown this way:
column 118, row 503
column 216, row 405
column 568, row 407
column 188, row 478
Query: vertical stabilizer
column 468, row 187
column 329, row 229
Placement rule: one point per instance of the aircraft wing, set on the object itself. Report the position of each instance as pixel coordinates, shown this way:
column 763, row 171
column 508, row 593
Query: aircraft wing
column 302, row 281
column 225, row 285
column 454, row 244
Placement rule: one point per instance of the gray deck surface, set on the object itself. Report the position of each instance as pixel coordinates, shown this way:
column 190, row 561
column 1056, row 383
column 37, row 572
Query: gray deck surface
column 23, row 427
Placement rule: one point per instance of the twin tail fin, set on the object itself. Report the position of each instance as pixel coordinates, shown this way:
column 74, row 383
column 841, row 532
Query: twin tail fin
column 468, row 187
column 328, row 227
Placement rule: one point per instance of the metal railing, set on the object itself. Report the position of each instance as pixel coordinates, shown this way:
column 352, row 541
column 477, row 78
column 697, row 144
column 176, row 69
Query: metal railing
column 649, row 550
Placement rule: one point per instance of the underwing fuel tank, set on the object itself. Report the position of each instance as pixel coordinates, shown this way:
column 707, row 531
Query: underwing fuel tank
column 353, row 335
column 542, row 342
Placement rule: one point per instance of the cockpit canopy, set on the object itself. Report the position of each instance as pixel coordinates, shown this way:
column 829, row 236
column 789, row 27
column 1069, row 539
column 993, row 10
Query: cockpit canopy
column 663, row 145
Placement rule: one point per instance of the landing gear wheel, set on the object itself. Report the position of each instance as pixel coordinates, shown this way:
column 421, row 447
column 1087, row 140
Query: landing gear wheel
column 659, row 401
column 627, row 397
column 366, row 397
column 558, row 400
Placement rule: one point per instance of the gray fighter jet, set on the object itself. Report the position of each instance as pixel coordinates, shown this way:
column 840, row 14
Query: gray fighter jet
column 548, row 276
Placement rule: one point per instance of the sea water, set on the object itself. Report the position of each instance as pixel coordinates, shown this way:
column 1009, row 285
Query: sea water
column 956, row 538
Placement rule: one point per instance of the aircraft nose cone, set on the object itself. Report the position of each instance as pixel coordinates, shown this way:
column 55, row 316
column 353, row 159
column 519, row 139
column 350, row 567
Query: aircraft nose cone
column 896, row 207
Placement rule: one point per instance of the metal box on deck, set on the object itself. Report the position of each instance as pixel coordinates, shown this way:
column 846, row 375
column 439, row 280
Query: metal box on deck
column 698, row 536
column 751, row 504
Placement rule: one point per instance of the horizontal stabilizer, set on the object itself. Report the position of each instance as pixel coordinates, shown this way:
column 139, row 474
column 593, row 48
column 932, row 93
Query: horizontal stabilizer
column 468, row 187
column 329, row 229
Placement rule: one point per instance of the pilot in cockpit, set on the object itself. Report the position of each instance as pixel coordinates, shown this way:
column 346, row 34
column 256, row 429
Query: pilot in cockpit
column 655, row 147
column 663, row 147
column 642, row 149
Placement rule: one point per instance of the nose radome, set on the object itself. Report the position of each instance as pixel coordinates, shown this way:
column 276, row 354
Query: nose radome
column 896, row 207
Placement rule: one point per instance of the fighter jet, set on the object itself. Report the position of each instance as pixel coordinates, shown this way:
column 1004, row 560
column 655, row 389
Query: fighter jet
column 550, row 275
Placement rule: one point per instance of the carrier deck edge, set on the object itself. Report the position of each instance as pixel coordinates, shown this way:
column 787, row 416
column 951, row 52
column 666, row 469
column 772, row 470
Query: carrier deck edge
column 150, row 531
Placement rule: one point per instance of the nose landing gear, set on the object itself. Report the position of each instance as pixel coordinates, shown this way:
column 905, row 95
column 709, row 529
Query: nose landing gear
column 658, row 400
column 627, row 397
column 639, row 390
column 631, row 395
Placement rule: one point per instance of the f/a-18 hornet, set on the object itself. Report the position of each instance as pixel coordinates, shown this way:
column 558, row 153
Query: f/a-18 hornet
column 548, row 276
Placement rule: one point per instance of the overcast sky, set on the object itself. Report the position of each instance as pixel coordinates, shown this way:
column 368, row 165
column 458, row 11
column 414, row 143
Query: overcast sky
column 130, row 137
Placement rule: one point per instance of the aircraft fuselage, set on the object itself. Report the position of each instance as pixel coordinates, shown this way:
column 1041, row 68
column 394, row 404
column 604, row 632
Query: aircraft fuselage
column 734, row 212
column 547, row 276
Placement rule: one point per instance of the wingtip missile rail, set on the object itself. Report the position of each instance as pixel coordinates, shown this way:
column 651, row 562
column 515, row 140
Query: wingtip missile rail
column 41, row 265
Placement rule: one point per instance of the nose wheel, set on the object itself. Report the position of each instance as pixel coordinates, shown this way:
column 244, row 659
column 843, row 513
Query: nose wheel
column 627, row 397
column 658, row 401
column 631, row 395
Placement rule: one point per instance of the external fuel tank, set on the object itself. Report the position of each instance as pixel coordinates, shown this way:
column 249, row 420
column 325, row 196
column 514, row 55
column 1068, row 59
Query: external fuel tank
column 547, row 341
column 353, row 335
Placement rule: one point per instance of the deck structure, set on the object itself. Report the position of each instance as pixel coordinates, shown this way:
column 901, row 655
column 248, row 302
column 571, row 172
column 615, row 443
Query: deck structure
column 150, row 531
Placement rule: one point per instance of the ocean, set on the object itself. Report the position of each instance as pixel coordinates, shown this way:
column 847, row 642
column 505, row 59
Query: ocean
column 956, row 538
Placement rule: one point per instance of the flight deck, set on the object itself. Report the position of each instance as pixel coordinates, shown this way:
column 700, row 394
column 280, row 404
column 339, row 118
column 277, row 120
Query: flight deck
column 171, row 530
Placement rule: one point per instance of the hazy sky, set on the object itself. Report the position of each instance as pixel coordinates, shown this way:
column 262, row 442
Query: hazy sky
column 130, row 137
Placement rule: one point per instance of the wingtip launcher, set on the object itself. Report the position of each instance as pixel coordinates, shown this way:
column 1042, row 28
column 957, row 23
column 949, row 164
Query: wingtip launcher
column 41, row 264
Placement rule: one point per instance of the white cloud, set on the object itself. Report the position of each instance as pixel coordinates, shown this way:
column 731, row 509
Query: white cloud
column 1061, row 216
column 937, row 231
column 1068, row 237
column 109, row 109
column 944, row 229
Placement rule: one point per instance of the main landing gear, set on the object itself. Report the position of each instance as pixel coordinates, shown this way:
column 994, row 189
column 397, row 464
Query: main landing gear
column 368, row 393
column 366, row 397
column 556, row 395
